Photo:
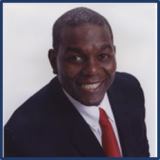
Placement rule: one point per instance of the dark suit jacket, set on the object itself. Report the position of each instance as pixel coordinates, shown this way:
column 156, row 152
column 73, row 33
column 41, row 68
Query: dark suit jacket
column 48, row 125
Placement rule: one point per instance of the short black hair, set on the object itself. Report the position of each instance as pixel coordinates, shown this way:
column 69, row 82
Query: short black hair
column 77, row 17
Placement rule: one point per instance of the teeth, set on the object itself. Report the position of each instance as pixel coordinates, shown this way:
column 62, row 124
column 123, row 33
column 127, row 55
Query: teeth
column 90, row 86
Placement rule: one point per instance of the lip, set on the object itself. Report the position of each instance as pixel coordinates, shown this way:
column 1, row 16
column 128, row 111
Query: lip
column 91, row 87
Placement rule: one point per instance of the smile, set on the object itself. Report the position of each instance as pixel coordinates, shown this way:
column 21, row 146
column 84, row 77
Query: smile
column 90, row 86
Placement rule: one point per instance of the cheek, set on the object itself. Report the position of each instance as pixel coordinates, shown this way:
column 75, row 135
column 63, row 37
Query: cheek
column 69, row 71
column 111, row 66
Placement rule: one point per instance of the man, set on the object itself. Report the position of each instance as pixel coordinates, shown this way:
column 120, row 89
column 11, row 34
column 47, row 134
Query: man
column 89, row 109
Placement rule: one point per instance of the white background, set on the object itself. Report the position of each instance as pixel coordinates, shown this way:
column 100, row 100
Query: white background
column 27, row 30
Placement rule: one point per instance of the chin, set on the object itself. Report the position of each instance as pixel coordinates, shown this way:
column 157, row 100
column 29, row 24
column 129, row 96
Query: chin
column 91, row 102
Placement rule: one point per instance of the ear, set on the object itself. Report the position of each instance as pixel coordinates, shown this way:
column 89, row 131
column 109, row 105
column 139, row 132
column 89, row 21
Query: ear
column 53, row 60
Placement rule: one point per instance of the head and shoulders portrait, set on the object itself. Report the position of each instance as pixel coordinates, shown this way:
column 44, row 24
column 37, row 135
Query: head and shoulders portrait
column 86, row 77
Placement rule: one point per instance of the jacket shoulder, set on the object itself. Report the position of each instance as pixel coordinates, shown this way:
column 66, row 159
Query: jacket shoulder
column 129, row 87
column 35, row 106
column 126, row 80
column 29, row 119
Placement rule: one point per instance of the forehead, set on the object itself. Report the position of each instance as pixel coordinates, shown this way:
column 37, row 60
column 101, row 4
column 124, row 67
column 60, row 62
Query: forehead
column 85, row 34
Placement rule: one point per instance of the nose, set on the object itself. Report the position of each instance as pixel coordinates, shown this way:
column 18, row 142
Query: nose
column 91, row 67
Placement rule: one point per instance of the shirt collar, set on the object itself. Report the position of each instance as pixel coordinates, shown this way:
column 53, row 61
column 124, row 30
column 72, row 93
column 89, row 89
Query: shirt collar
column 92, row 112
column 105, row 105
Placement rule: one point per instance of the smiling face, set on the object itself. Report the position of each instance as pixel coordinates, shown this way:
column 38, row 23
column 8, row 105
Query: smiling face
column 85, row 62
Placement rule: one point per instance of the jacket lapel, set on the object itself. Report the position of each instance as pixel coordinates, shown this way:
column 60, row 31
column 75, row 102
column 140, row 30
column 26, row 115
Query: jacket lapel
column 80, row 136
column 123, row 120
column 84, row 140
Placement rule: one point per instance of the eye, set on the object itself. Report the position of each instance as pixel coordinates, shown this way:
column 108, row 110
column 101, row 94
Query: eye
column 75, row 59
column 103, row 57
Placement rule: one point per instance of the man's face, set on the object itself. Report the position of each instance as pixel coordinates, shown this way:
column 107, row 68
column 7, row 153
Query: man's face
column 85, row 62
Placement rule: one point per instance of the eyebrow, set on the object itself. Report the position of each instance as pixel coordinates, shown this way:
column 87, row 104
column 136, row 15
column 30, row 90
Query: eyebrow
column 105, row 46
column 73, row 49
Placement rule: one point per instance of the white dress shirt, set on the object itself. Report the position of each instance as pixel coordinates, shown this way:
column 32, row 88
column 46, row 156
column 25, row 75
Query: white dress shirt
column 91, row 116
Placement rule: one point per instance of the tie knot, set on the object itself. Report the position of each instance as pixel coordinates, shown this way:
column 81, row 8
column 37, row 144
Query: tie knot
column 103, row 115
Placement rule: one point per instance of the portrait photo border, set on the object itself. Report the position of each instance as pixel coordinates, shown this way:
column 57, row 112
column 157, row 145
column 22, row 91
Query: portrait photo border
column 71, row 1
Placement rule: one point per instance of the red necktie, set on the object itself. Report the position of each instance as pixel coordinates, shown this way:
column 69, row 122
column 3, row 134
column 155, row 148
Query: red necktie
column 109, row 142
